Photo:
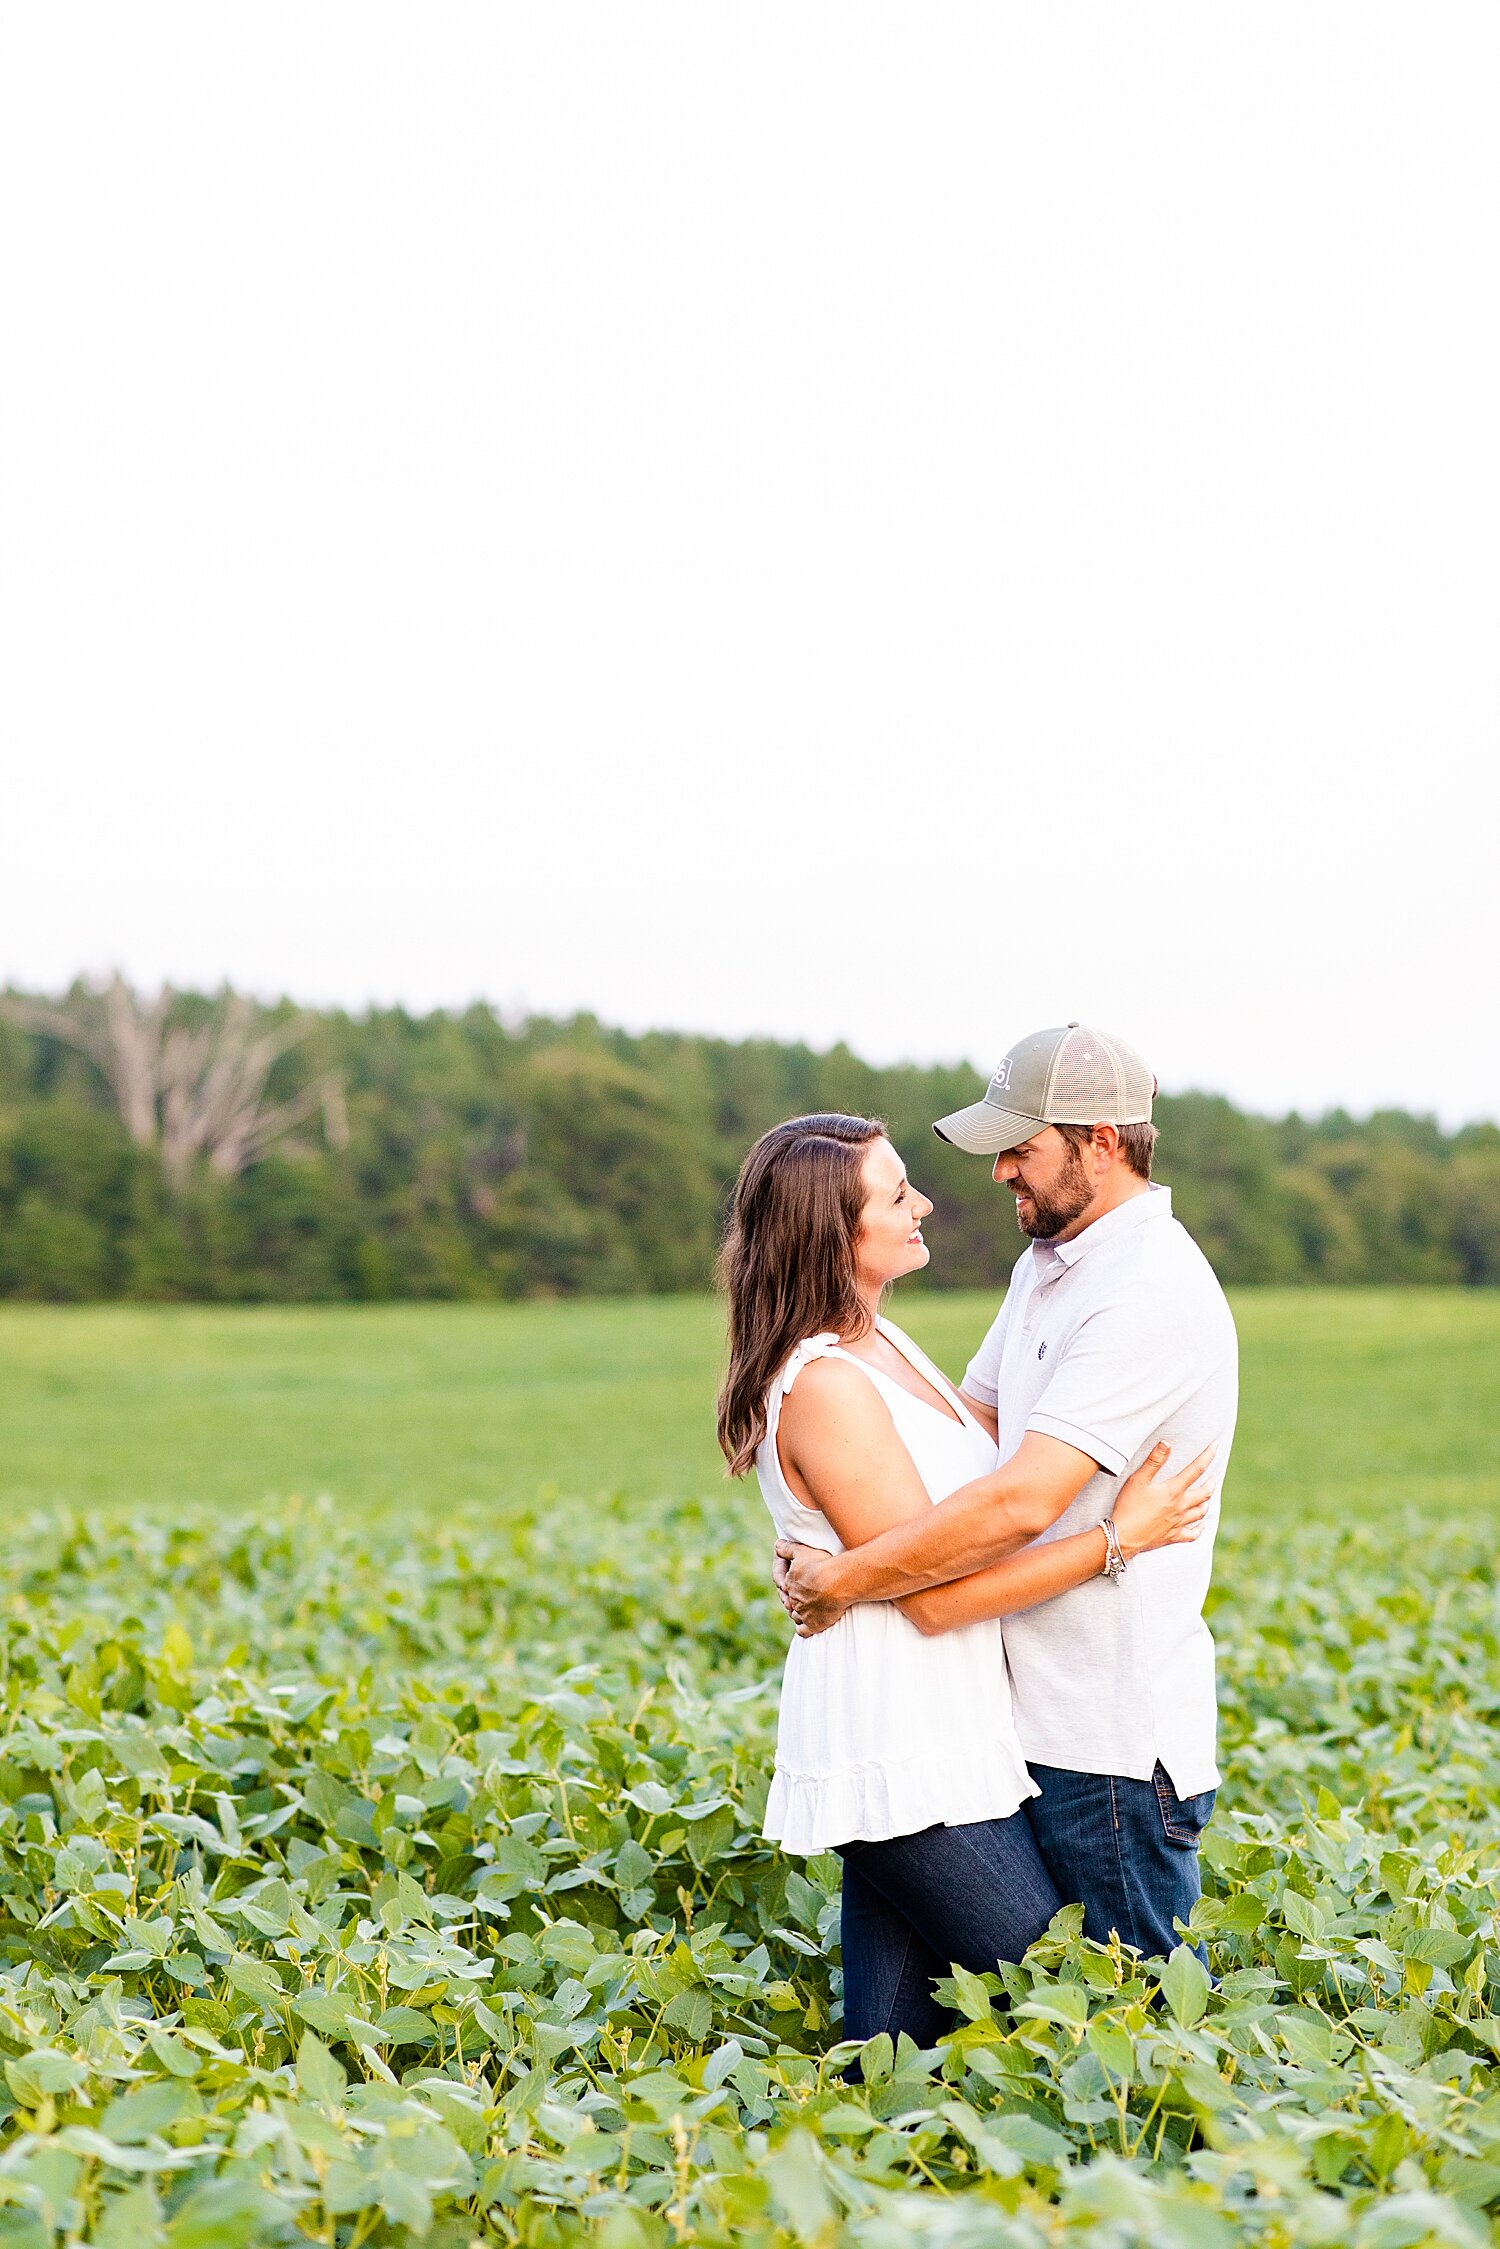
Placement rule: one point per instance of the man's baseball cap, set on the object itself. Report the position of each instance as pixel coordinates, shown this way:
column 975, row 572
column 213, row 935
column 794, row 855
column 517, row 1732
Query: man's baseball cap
column 1072, row 1076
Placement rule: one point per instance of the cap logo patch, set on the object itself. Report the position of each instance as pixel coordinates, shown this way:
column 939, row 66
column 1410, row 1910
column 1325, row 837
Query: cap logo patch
column 1000, row 1082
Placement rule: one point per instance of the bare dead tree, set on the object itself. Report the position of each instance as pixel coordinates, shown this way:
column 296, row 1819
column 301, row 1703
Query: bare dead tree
column 196, row 1089
column 120, row 1033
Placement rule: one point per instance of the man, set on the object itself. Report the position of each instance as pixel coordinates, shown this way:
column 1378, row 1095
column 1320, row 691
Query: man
column 1114, row 1336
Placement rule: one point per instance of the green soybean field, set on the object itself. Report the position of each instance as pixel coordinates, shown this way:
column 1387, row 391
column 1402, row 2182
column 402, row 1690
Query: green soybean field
column 389, row 1700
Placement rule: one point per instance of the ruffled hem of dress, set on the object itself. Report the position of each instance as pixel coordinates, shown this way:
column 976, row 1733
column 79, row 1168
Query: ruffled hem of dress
column 808, row 1812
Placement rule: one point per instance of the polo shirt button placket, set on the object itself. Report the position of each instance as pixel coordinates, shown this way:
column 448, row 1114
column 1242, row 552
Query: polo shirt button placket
column 1035, row 1308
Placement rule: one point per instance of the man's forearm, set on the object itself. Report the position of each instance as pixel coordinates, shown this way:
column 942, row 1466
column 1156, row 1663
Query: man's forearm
column 977, row 1525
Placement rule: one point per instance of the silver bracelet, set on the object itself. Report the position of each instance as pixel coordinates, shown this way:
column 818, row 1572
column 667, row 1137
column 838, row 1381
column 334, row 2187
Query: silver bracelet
column 1114, row 1560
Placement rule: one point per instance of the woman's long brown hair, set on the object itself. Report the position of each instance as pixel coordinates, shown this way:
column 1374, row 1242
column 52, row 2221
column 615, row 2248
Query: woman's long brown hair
column 787, row 1266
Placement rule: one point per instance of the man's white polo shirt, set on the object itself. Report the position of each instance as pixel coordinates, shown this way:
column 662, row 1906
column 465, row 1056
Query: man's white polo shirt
column 1111, row 1342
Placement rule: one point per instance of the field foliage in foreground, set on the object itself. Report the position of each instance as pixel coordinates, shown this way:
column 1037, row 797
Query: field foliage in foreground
column 402, row 1883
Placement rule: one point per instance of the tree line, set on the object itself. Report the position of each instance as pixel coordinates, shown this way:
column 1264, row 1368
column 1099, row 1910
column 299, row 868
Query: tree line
column 202, row 1148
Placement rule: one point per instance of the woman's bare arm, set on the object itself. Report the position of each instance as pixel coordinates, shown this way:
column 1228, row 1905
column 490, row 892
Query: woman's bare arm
column 1038, row 1574
column 1153, row 1509
column 841, row 1454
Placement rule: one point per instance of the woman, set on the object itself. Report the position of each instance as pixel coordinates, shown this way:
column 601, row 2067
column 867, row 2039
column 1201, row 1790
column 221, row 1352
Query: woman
column 896, row 1745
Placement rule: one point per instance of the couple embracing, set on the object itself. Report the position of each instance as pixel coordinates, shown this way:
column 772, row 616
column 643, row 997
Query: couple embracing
column 1001, row 1694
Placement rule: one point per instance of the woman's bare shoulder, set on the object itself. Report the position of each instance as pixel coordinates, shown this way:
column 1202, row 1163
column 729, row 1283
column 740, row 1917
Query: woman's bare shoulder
column 832, row 1389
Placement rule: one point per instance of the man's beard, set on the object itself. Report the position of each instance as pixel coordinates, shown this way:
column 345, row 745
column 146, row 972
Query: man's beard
column 1056, row 1207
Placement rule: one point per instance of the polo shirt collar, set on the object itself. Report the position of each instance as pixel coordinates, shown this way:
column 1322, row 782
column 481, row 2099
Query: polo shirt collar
column 1155, row 1203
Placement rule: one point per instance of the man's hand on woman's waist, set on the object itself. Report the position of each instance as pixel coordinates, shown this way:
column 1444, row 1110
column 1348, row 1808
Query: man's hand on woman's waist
column 809, row 1581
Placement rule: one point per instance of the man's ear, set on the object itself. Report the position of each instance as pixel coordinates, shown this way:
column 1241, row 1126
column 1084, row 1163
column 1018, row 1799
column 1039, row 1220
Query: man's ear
column 1106, row 1147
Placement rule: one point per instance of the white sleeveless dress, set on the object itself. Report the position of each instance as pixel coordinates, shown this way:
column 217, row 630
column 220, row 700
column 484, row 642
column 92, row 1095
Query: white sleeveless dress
column 883, row 1731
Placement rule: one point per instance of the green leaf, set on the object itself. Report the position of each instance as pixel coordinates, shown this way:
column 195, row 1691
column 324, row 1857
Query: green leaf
column 845, row 2120
column 406, row 2026
column 1114, row 2046
column 691, row 2012
column 713, row 1835
column 87, row 1796
column 254, row 1980
column 131, row 2220
column 180, row 2060
column 799, row 2190
column 979, row 2133
column 32, row 2077
column 1185, row 1986
column 1207, row 2088
column 1440, row 1948
column 267, row 1908
column 569, row 1944
column 324, row 2010
column 1308, row 2036
column 318, row 2074
column 1243, row 1913
column 1387, row 2145
column 80, row 1860
column 348, row 2187
column 406, row 2202
column 1056, row 2003
column 1032, row 2140
column 24, row 2229
column 146, row 2111
column 326, row 1797
column 228, row 2213
column 516, row 1866
column 1304, row 1916
column 634, row 1867
column 177, row 1651
column 973, row 1998
column 720, row 2064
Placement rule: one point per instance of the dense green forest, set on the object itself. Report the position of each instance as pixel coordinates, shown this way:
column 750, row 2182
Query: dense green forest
column 201, row 1148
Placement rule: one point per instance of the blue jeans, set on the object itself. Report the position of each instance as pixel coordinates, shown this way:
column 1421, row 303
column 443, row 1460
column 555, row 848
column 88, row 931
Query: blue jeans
column 913, row 1905
column 1127, row 1848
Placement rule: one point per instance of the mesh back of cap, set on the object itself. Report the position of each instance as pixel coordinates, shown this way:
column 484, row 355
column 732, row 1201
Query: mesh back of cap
column 1096, row 1079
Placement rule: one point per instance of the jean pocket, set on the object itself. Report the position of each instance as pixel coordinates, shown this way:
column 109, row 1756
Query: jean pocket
column 1183, row 1818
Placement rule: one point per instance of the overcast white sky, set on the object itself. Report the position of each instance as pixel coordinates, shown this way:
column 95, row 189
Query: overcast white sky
column 848, row 522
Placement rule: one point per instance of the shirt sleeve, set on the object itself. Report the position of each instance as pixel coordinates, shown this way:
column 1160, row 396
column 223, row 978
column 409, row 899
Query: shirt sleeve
column 1122, row 1375
column 982, row 1375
